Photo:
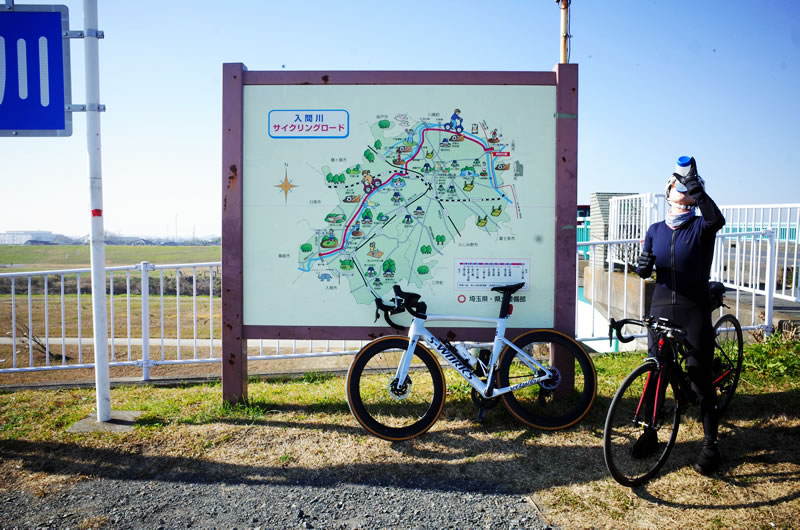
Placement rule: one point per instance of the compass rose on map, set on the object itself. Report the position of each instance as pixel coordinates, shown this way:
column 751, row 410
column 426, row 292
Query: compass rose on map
column 286, row 186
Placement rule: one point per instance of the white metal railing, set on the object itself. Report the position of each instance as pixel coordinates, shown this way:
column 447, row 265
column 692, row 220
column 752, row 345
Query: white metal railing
column 174, row 285
column 631, row 215
column 738, row 256
column 618, row 301
column 784, row 221
column 36, row 288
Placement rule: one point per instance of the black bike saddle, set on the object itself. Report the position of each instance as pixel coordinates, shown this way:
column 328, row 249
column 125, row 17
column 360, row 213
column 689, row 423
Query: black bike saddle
column 510, row 289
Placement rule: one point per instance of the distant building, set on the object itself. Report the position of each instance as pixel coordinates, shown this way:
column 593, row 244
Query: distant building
column 24, row 237
column 598, row 218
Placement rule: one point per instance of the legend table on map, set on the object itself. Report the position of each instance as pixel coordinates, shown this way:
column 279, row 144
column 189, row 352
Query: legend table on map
column 483, row 274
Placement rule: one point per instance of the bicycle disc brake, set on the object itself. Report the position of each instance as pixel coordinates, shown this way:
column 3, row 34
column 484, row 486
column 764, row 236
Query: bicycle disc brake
column 399, row 391
column 553, row 382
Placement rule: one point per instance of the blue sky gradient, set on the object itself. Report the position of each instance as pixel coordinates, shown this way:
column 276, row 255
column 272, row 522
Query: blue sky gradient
column 714, row 79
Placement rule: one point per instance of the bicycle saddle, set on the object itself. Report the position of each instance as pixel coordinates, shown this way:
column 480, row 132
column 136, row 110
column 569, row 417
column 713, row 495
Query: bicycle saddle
column 716, row 291
column 510, row 289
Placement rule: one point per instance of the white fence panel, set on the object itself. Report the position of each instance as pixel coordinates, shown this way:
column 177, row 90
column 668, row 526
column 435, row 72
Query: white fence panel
column 739, row 263
column 628, row 218
column 784, row 221
column 746, row 301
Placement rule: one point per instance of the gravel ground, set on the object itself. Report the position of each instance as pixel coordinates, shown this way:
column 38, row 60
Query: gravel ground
column 119, row 503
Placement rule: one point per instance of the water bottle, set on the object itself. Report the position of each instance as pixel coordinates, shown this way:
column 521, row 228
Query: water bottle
column 682, row 168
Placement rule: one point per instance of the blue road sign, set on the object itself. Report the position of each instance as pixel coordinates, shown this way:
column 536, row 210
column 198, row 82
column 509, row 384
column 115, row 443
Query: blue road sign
column 34, row 71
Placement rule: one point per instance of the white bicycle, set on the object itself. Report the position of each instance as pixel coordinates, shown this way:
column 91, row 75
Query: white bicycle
column 396, row 387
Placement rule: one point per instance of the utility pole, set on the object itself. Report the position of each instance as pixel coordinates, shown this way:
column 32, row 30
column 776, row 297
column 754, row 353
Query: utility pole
column 565, row 36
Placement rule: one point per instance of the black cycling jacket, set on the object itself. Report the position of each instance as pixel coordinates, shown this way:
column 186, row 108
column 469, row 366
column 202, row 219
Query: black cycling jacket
column 684, row 255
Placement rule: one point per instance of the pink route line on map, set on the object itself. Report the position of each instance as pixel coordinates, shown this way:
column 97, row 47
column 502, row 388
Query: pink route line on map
column 405, row 167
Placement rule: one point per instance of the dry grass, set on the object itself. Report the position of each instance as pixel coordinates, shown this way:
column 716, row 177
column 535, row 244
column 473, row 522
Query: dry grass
column 188, row 307
column 301, row 432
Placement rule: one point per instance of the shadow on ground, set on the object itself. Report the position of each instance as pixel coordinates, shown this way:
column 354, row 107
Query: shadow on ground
column 482, row 458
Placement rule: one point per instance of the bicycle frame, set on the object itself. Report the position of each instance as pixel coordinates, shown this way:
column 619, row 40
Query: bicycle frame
column 417, row 331
column 668, row 371
column 663, row 378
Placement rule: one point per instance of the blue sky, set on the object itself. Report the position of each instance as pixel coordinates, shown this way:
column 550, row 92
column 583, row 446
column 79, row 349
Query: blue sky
column 716, row 79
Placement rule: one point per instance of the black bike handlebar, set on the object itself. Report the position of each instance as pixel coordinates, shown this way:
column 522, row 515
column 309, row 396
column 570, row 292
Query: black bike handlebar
column 659, row 325
column 403, row 301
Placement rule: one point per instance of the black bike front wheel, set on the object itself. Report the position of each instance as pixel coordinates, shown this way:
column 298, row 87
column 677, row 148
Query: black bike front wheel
column 726, row 366
column 639, row 435
column 390, row 409
column 558, row 401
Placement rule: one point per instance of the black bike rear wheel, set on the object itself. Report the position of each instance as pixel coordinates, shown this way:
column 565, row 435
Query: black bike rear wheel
column 554, row 403
column 630, row 419
column 727, row 363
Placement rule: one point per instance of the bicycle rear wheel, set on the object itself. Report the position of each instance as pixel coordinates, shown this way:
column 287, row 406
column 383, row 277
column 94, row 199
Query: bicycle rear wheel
column 385, row 407
column 727, row 363
column 629, row 421
column 555, row 403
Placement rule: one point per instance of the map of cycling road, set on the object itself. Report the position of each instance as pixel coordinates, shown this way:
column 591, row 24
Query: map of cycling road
column 410, row 197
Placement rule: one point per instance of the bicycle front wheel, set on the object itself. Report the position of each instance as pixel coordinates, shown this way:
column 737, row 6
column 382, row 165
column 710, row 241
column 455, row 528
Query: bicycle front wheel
column 390, row 409
column 554, row 403
column 635, row 446
column 727, row 363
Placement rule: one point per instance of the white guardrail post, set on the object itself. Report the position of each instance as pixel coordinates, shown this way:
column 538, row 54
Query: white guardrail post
column 769, row 282
column 144, row 287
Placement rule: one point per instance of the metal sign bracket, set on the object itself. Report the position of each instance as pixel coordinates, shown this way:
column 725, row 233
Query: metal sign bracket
column 79, row 34
column 91, row 107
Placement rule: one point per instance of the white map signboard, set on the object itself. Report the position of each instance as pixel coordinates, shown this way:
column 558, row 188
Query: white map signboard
column 350, row 189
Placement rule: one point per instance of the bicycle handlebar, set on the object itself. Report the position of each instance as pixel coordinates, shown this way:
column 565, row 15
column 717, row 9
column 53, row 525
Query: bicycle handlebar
column 661, row 326
column 403, row 301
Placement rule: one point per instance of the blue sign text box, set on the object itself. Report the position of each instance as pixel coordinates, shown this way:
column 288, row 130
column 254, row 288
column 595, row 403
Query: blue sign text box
column 34, row 74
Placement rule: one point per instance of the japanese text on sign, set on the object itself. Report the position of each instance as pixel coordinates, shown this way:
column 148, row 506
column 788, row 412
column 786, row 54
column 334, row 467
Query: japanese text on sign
column 308, row 123
column 479, row 274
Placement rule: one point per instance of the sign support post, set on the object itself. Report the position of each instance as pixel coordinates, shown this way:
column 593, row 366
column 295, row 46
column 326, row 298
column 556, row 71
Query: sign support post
column 97, row 238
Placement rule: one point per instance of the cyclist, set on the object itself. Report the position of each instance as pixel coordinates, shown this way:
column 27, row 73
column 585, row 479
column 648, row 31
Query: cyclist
column 456, row 119
column 681, row 248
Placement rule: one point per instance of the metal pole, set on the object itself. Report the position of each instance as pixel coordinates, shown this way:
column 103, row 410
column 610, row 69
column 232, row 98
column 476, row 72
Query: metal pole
column 769, row 283
column 97, row 242
column 145, row 292
column 565, row 30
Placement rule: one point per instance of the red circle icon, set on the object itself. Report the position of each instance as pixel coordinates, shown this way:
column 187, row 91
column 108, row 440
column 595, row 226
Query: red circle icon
column 462, row 299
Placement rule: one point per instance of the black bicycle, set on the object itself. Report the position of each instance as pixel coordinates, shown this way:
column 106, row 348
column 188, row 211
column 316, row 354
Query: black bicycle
column 649, row 403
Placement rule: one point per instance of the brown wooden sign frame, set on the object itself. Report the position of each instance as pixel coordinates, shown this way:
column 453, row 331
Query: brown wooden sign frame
column 235, row 77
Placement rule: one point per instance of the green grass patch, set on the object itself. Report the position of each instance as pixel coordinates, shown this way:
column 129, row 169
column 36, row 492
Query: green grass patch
column 777, row 357
column 302, row 426
column 33, row 257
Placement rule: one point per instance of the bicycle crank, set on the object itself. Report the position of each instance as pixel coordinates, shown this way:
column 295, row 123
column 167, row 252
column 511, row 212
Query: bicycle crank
column 482, row 402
